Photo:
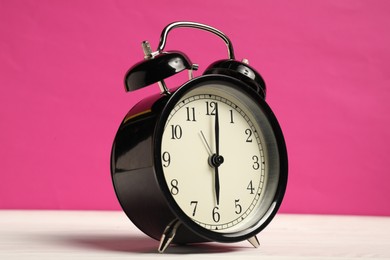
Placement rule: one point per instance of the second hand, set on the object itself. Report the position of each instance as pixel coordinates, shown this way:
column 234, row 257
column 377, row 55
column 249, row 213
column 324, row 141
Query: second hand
column 206, row 144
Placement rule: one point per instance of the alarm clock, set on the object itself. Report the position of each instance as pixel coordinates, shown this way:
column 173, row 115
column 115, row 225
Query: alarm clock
column 205, row 161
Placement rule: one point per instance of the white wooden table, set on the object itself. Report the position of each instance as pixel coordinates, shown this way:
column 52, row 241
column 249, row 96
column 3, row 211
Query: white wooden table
column 110, row 235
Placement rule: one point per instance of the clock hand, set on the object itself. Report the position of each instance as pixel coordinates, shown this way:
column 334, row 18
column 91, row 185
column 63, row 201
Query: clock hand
column 215, row 160
column 206, row 144
column 217, row 184
column 216, row 156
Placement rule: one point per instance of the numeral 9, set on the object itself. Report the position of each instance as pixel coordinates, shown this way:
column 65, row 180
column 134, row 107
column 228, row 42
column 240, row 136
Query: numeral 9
column 166, row 157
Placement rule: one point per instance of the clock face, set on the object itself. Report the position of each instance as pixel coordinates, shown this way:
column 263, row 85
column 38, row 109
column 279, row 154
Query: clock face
column 215, row 158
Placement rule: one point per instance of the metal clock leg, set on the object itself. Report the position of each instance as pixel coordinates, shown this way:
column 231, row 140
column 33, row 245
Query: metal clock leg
column 254, row 241
column 168, row 235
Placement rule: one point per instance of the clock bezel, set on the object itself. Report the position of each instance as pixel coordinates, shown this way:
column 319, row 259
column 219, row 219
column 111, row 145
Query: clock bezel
column 263, row 220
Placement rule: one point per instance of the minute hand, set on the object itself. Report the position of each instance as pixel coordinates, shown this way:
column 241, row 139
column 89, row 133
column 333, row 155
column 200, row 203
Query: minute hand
column 216, row 130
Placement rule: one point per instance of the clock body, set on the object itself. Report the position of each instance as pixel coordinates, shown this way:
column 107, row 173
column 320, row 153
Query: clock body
column 211, row 156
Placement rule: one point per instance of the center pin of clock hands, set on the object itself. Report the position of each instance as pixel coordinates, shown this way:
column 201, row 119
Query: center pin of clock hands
column 215, row 160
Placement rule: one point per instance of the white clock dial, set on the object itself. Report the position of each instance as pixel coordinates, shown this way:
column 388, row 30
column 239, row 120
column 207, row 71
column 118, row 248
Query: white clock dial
column 205, row 125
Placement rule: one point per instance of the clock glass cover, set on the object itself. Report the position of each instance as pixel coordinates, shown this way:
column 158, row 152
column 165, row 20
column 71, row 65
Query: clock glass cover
column 219, row 156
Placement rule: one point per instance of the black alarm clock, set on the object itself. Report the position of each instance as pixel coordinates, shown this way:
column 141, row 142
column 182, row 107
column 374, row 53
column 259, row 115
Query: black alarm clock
column 205, row 161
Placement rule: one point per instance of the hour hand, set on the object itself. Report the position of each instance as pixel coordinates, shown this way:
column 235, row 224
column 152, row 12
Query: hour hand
column 217, row 184
column 214, row 161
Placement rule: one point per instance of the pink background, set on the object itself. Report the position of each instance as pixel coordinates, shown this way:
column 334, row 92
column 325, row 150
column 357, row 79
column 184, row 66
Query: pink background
column 326, row 65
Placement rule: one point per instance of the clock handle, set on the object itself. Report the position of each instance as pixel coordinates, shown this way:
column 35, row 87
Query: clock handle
column 169, row 27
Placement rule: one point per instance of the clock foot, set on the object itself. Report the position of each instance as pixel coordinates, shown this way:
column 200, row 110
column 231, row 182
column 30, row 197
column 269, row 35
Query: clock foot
column 168, row 235
column 254, row 241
